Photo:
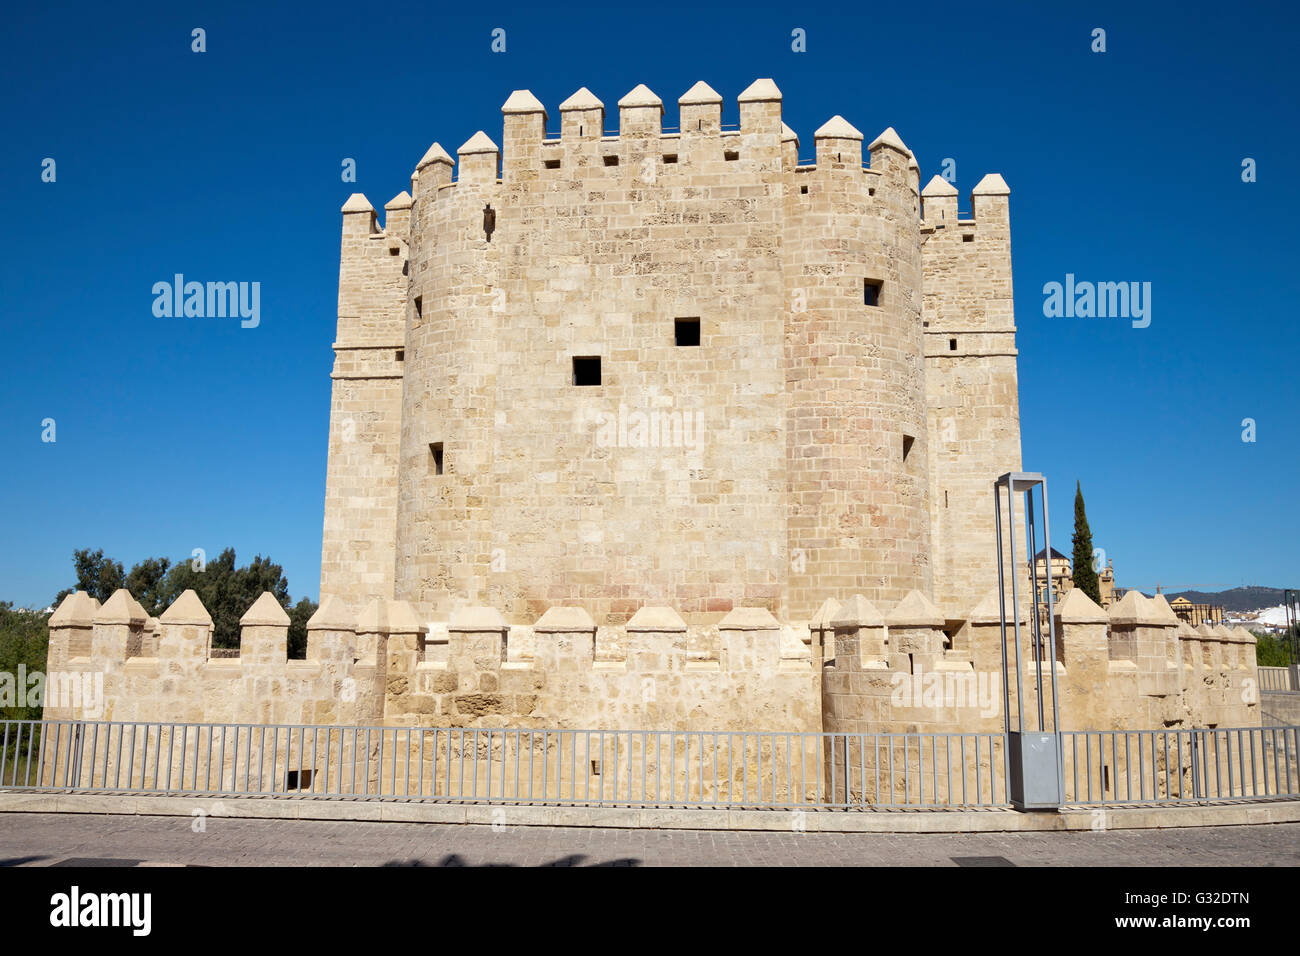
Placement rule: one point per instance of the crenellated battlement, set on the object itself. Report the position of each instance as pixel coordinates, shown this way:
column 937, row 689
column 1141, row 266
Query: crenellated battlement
column 642, row 148
column 850, row 668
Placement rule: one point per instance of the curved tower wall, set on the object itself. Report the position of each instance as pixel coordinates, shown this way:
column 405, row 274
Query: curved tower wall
column 788, row 457
column 858, row 501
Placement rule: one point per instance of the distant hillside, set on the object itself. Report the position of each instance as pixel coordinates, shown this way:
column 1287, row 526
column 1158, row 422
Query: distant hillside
column 1234, row 599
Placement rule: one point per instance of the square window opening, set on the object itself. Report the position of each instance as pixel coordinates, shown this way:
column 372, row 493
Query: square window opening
column 400, row 355
column 611, row 160
column 687, row 331
column 435, row 457
column 803, row 190
column 731, row 155
column 586, row 370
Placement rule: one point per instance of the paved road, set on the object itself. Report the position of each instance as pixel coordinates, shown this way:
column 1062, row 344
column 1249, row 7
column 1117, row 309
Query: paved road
column 30, row 839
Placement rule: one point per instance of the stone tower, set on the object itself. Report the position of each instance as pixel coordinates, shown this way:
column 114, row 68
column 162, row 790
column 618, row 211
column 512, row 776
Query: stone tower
column 668, row 368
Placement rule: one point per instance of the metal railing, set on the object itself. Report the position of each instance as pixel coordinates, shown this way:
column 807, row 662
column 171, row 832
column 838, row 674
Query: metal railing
column 540, row 766
column 1275, row 680
column 1180, row 766
column 632, row 767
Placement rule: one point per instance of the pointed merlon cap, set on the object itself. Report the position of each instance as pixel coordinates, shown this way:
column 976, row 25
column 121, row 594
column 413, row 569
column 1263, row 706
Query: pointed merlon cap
column 640, row 95
column 749, row 619
column 358, row 202
column 699, row 95
column 583, row 99
column 891, row 139
column 1077, row 608
column 121, row 608
column 187, row 609
column 656, row 619
column 75, row 610
column 402, row 619
column 1204, row 630
column 821, row 621
column 837, row 127
column 564, row 619
column 522, row 101
column 988, row 611
column 265, row 612
column 1160, row 611
column 436, row 154
column 857, row 611
column 1128, row 609
column 402, row 200
column 1224, row 633
column 1245, row 636
column 332, row 615
column 477, row 619
column 760, row 91
column 373, row 618
column 788, row 135
column 1186, row 630
column 139, row 608
column 480, row 142
column 915, row 610
column 991, row 185
column 938, row 186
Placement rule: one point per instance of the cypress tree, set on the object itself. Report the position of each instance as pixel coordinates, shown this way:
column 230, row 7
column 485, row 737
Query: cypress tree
column 1084, row 575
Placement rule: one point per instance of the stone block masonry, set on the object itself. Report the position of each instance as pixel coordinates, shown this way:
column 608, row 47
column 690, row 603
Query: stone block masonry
column 669, row 368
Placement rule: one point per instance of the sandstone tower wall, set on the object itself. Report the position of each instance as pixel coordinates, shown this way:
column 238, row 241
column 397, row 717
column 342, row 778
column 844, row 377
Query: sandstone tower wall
column 359, row 541
column 971, row 390
column 856, row 436
column 822, row 435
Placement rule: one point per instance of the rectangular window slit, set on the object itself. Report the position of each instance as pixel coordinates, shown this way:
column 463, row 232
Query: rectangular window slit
column 952, row 345
column 401, row 355
column 552, row 164
column 586, row 370
column 419, row 308
column 730, row 155
column 967, row 237
column 907, row 446
column 670, row 158
column 871, row 291
column 687, row 331
column 435, row 456
column 611, row 160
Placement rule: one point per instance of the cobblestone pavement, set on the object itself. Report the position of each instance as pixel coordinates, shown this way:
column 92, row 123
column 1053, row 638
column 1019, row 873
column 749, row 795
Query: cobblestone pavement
column 76, row 839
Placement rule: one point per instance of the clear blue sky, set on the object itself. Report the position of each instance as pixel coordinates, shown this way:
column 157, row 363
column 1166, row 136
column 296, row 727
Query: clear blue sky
column 174, row 434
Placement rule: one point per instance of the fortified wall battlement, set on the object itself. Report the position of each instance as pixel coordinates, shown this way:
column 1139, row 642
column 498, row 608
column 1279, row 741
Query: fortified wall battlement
column 852, row 670
column 836, row 428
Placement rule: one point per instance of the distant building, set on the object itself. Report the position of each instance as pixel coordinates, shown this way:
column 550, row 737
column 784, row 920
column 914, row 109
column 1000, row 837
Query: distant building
column 1063, row 578
column 1195, row 614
